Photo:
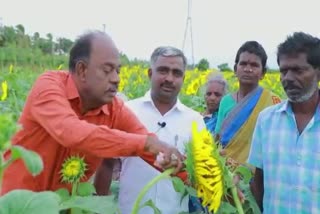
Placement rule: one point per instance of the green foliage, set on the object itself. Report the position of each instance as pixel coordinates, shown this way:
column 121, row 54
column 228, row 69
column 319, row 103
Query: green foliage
column 224, row 67
column 245, row 173
column 203, row 65
column 150, row 203
column 95, row 204
column 8, row 128
column 32, row 160
column 85, row 189
column 28, row 202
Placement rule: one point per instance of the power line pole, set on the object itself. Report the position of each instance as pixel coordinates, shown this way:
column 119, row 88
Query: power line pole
column 104, row 27
column 189, row 26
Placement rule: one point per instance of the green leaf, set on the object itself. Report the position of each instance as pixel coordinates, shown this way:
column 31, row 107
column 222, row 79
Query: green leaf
column 97, row 204
column 150, row 203
column 8, row 127
column 86, row 189
column 114, row 188
column 28, row 202
column 191, row 191
column 245, row 173
column 63, row 193
column 32, row 160
column 250, row 205
column 183, row 196
column 226, row 208
column 178, row 185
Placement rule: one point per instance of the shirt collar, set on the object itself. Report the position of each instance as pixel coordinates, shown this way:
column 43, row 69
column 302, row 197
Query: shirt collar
column 147, row 98
column 72, row 93
column 286, row 107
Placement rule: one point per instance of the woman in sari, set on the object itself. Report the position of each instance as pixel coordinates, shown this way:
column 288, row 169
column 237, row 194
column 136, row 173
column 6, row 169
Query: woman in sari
column 215, row 89
column 238, row 111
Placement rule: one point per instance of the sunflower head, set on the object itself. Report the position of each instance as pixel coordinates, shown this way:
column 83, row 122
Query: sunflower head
column 4, row 88
column 73, row 169
column 206, row 168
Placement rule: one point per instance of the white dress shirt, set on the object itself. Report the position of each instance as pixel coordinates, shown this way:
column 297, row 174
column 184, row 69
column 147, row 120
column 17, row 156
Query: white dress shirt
column 136, row 173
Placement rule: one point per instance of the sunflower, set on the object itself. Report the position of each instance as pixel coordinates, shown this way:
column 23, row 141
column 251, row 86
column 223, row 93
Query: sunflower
column 4, row 86
column 73, row 169
column 205, row 168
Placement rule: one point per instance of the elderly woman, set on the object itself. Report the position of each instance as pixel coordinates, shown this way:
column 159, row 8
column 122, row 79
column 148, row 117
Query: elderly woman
column 216, row 88
column 238, row 111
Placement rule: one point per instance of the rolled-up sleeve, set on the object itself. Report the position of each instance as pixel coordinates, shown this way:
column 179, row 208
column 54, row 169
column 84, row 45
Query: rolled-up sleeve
column 51, row 109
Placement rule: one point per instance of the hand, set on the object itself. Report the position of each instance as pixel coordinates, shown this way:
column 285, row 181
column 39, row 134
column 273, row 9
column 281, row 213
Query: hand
column 170, row 156
column 236, row 180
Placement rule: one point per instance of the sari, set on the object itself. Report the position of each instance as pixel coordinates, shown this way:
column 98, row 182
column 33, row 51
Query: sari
column 211, row 121
column 238, row 126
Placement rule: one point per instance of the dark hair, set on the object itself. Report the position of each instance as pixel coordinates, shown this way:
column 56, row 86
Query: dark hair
column 255, row 48
column 301, row 42
column 82, row 48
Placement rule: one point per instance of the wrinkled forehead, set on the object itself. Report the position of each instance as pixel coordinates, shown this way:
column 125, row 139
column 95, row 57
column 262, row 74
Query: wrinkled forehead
column 296, row 59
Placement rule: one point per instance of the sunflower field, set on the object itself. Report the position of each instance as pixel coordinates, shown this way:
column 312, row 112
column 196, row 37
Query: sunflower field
column 16, row 82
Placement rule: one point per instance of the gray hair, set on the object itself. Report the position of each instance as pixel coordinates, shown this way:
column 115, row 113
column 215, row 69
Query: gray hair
column 219, row 79
column 167, row 51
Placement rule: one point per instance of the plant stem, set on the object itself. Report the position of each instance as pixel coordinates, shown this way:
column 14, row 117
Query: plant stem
column 145, row 189
column 74, row 189
column 74, row 193
column 236, row 199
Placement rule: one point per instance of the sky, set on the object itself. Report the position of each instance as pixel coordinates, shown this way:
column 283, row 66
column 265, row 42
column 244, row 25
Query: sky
column 219, row 28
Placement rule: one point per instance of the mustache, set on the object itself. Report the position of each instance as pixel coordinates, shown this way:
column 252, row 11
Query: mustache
column 166, row 84
column 289, row 85
column 113, row 88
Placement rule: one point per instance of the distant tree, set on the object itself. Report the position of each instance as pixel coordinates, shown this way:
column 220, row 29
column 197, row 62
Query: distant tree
column 20, row 29
column 23, row 40
column 35, row 40
column 63, row 45
column 224, row 67
column 124, row 59
column 9, row 35
column 203, row 65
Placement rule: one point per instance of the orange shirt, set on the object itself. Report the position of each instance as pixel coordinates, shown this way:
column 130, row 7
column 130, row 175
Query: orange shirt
column 53, row 127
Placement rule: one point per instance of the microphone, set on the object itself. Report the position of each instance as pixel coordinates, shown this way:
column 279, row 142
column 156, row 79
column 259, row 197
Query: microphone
column 162, row 125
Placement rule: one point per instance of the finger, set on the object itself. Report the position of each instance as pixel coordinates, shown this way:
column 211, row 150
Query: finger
column 236, row 179
column 172, row 164
column 241, row 196
column 223, row 152
column 167, row 157
column 178, row 168
column 179, row 155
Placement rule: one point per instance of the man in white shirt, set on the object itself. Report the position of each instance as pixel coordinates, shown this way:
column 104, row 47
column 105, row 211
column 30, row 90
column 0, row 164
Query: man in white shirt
column 162, row 113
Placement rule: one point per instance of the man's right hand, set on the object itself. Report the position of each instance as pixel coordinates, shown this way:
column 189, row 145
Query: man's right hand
column 171, row 156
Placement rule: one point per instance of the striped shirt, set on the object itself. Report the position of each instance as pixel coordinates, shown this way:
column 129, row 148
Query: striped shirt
column 290, row 161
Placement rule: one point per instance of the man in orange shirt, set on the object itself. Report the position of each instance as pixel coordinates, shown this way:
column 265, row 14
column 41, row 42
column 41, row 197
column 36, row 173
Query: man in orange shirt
column 77, row 113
